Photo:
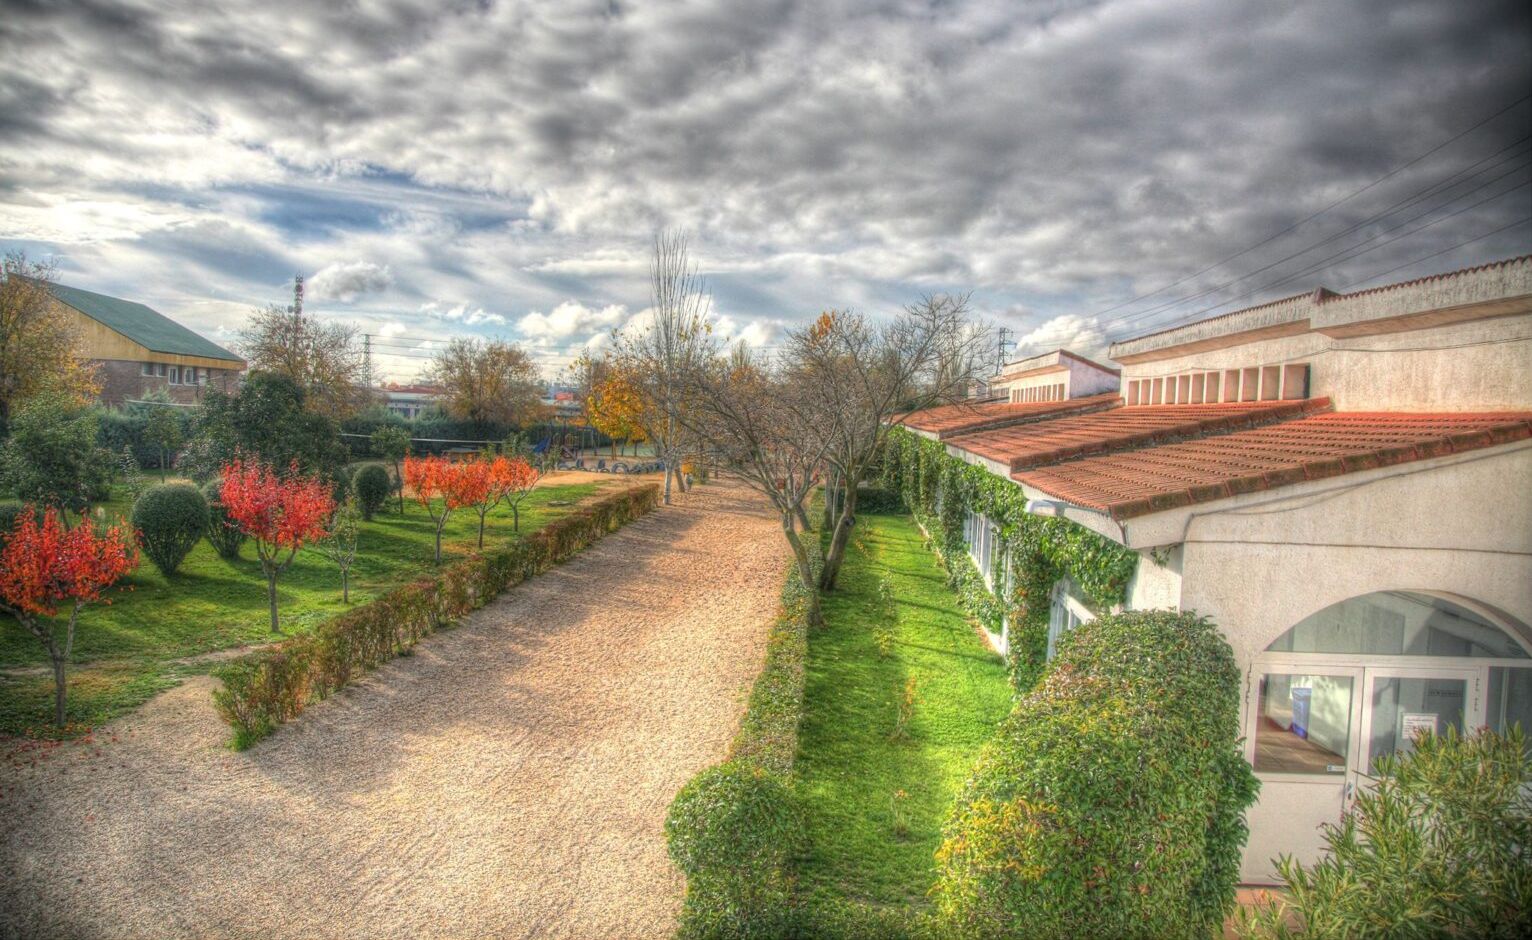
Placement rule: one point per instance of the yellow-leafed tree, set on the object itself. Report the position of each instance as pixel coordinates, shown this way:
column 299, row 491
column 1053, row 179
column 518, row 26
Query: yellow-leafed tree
column 615, row 407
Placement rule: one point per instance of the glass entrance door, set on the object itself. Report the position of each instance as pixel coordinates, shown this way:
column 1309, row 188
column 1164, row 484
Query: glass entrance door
column 1403, row 701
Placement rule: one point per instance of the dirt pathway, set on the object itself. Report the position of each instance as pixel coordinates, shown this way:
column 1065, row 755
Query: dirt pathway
column 508, row 780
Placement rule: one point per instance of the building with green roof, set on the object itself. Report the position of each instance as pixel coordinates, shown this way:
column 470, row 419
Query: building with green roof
column 139, row 350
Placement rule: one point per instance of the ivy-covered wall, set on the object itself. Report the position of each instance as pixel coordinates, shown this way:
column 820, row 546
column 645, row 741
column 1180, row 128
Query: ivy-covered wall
column 1039, row 550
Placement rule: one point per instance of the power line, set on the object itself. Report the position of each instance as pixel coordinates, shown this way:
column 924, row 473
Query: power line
column 1350, row 253
column 1376, row 217
column 1310, row 218
column 1354, row 251
column 1480, row 238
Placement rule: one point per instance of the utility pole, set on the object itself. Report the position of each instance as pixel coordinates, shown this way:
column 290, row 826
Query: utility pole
column 1005, row 340
column 367, row 359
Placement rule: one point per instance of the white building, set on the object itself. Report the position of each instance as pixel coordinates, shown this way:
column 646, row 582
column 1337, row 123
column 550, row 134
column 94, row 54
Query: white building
column 1058, row 375
column 1344, row 484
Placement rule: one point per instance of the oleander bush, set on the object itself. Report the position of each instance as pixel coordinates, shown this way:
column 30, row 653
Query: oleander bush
column 223, row 533
column 1111, row 802
column 373, row 488
column 1439, row 846
column 265, row 689
column 732, row 828
column 169, row 520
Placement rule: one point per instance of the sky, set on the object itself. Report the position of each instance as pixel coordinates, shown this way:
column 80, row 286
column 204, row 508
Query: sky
column 1087, row 170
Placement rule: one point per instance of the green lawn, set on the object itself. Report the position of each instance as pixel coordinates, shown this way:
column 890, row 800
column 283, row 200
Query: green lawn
column 850, row 765
column 140, row 644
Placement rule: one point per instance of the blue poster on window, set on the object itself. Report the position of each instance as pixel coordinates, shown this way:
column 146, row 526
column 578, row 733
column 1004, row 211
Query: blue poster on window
column 1301, row 699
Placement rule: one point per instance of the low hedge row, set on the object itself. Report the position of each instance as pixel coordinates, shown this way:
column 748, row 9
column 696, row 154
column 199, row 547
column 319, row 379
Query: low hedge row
column 1111, row 801
column 733, row 828
column 267, row 688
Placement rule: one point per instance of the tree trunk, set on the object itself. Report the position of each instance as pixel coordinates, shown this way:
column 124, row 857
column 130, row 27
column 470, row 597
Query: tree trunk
column 481, row 530
column 60, row 685
column 440, row 524
column 271, row 598
column 803, row 518
column 829, row 501
column 163, row 460
column 838, row 542
column 399, row 485
column 805, row 571
column 345, row 586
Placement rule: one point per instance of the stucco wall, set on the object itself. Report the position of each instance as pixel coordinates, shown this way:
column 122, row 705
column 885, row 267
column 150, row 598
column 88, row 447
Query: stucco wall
column 1477, row 365
column 1461, row 526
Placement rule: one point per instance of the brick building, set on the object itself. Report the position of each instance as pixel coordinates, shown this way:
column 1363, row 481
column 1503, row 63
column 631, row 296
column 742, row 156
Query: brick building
column 138, row 350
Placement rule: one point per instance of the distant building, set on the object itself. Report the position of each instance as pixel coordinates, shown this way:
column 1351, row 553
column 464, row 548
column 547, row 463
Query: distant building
column 409, row 401
column 138, row 350
column 564, row 401
column 1052, row 376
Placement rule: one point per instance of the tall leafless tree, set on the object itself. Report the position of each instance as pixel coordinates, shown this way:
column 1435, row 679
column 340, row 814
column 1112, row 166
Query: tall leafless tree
column 759, row 419
column 323, row 357
column 859, row 375
column 675, row 343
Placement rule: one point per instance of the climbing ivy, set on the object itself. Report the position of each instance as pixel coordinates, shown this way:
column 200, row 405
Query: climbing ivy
column 941, row 490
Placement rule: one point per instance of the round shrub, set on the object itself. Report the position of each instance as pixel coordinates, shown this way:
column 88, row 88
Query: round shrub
column 169, row 520
column 1111, row 802
column 222, row 533
column 730, row 830
column 372, row 488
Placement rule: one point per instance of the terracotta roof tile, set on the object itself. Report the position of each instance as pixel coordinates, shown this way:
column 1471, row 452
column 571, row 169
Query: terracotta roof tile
column 1137, row 482
column 1074, row 436
column 946, row 420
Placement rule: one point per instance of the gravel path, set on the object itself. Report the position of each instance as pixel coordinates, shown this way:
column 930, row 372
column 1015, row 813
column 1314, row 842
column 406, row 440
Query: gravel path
column 508, row 780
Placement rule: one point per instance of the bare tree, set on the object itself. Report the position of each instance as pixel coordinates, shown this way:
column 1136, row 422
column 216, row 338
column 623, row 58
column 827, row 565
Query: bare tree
column 675, row 343
column 488, row 382
column 324, row 358
column 756, row 419
column 859, row 375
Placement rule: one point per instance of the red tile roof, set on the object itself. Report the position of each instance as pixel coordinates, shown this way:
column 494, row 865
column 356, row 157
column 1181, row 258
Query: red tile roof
column 1066, row 438
column 947, row 420
column 1154, row 479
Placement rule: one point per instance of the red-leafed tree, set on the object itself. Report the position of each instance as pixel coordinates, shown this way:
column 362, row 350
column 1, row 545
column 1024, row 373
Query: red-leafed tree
column 44, row 567
column 279, row 512
column 489, row 490
column 515, row 479
column 442, row 486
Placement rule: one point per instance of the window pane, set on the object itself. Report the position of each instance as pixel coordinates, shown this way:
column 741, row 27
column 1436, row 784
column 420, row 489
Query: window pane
column 1303, row 725
column 1510, row 700
column 1396, row 623
column 1402, row 707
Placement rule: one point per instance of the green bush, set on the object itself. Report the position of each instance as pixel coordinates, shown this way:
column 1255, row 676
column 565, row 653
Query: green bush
column 878, row 499
column 730, row 831
column 222, row 533
column 372, row 488
column 1441, row 846
column 720, row 823
column 1111, row 802
column 265, row 689
column 169, row 519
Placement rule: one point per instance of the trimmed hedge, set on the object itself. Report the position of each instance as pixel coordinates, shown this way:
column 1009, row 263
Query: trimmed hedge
column 169, row 520
column 267, row 688
column 1111, row 803
column 733, row 828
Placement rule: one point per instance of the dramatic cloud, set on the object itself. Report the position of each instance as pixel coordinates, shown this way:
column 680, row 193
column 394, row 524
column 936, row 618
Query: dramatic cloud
column 1059, row 159
column 346, row 282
